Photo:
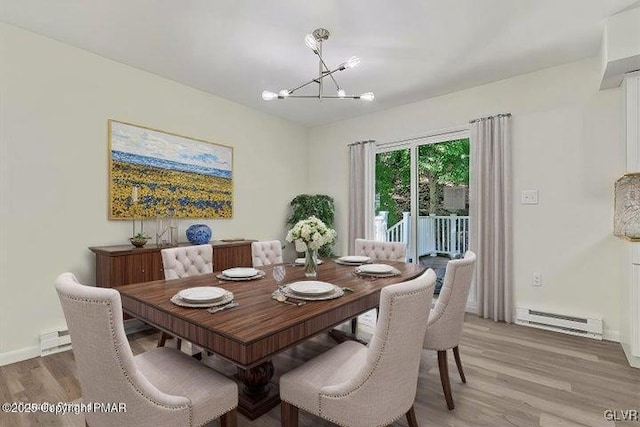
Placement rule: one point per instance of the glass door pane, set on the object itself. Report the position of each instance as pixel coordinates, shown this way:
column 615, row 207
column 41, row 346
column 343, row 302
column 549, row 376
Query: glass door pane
column 393, row 195
column 443, row 203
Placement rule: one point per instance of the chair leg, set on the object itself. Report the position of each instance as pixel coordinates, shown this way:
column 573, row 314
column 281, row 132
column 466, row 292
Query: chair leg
column 163, row 339
column 230, row 419
column 354, row 325
column 411, row 417
column 288, row 415
column 456, row 354
column 444, row 378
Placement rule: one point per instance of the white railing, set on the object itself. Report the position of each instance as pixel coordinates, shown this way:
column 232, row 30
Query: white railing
column 436, row 234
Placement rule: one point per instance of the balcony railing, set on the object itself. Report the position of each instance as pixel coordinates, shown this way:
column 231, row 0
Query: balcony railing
column 436, row 234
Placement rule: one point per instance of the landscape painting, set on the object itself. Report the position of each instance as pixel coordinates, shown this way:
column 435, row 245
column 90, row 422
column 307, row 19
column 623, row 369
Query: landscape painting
column 157, row 174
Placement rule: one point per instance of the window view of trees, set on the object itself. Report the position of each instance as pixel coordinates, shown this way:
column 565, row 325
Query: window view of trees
column 440, row 165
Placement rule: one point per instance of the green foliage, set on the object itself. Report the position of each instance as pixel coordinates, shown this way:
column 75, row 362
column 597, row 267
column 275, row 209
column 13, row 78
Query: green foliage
column 439, row 164
column 319, row 205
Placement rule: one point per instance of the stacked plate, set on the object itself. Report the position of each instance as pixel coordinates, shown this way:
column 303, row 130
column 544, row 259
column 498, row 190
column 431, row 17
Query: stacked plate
column 377, row 270
column 353, row 260
column 312, row 290
column 241, row 273
column 202, row 296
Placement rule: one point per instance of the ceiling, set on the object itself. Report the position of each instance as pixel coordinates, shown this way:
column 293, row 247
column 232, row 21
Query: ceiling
column 409, row 50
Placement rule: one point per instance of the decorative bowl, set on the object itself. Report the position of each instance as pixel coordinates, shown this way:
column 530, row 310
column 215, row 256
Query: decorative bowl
column 199, row 234
column 138, row 242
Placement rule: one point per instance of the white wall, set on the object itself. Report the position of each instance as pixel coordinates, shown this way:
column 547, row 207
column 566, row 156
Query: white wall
column 567, row 143
column 55, row 102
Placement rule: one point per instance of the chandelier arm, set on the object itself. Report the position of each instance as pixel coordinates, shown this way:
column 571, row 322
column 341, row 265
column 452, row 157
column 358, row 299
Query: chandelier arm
column 323, row 96
column 328, row 72
column 303, row 85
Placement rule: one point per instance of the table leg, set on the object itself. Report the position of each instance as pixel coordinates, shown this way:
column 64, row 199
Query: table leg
column 257, row 395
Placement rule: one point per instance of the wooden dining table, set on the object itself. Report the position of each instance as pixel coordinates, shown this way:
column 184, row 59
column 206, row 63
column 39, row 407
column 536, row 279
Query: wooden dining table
column 251, row 334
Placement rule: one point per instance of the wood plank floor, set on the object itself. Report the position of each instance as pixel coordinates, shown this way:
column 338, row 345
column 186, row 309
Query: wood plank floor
column 516, row 376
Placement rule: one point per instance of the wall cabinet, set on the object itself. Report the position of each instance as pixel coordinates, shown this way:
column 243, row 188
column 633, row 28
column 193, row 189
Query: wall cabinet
column 125, row 264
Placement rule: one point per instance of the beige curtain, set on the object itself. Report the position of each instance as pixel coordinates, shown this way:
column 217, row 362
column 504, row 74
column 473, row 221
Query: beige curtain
column 490, row 202
column 361, row 176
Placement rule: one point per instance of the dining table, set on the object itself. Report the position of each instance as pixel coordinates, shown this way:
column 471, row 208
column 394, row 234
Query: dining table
column 252, row 333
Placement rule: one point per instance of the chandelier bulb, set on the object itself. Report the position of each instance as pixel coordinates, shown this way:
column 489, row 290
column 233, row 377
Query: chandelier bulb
column 267, row 95
column 311, row 42
column 369, row 96
column 341, row 93
column 352, row 62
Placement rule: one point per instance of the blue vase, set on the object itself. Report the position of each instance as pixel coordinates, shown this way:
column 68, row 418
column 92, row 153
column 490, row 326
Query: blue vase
column 199, row 234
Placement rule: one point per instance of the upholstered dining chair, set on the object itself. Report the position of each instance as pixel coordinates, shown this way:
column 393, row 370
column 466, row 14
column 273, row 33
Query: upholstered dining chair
column 161, row 387
column 447, row 317
column 362, row 386
column 185, row 261
column 381, row 251
column 266, row 253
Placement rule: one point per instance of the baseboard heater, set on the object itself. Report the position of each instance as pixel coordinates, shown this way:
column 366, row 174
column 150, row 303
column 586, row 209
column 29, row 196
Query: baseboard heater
column 580, row 326
column 54, row 341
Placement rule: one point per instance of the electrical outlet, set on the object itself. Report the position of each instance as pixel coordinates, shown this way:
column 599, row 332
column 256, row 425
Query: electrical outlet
column 537, row 279
column 529, row 197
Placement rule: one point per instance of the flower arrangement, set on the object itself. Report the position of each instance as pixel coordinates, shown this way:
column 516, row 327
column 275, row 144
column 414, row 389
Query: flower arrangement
column 312, row 232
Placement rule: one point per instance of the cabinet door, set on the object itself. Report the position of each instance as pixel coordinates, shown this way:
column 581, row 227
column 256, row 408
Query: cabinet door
column 231, row 256
column 157, row 270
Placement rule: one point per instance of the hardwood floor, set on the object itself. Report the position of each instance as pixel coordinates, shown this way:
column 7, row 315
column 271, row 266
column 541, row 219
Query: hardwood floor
column 516, row 376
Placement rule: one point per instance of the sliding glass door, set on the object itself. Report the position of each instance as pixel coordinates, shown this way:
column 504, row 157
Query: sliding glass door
column 422, row 197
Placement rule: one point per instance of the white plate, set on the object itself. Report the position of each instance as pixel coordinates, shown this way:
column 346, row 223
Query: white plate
column 300, row 261
column 375, row 268
column 240, row 272
column 202, row 294
column 354, row 258
column 311, row 287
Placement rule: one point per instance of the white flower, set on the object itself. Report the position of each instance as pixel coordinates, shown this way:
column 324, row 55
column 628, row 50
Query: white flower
column 311, row 232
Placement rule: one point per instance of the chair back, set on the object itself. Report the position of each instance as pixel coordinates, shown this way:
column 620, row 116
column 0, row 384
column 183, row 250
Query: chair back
column 447, row 317
column 105, row 363
column 384, row 251
column 185, row 261
column 385, row 387
column 266, row 253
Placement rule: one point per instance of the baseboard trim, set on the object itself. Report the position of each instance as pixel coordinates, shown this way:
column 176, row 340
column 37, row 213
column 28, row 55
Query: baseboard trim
column 634, row 361
column 611, row 335
column 19, row 355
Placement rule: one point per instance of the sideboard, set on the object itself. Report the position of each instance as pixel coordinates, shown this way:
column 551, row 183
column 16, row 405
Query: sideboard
column 125, row 264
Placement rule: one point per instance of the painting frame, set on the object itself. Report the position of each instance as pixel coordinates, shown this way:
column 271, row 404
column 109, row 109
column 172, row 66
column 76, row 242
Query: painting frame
column 155, row 173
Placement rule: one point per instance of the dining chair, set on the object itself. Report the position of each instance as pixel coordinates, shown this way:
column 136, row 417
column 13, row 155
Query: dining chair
column 355, row 385
column 185, row 261
column 381, row 251
column 266, row 253
column 447, row 317
column 161, row 387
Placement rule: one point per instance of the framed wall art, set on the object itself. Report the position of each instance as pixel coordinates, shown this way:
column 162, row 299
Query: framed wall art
column 154, row 174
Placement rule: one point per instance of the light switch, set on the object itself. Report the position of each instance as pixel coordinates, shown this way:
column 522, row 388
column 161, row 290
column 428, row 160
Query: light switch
column 529, row 197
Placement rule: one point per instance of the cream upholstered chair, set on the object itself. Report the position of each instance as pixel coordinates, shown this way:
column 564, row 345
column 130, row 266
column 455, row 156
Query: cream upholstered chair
column 362, row 386
column 161, row 387
column 185, row 261
column 446, row 319
column 382, row 251
column 266, row 253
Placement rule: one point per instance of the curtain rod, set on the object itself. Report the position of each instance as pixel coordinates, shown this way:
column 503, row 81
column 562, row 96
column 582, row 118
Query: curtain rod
column 491, row 117
column 361, row 142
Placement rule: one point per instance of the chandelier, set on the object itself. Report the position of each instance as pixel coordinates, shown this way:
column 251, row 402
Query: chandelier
column 314, row 42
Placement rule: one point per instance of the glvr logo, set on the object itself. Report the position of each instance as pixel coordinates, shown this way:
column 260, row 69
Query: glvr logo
column 622, row 415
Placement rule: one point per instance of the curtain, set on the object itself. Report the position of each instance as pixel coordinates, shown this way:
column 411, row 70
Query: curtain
column 490, row 205
column 361, row 176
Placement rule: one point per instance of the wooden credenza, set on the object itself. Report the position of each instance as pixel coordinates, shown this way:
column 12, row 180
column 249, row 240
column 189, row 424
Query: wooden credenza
column 125, row 264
